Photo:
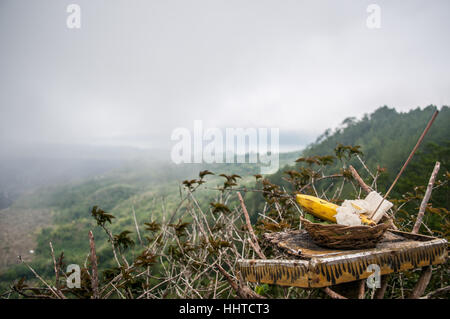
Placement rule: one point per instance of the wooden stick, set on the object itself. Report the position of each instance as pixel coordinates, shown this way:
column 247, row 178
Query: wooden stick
column 436, row 292
column 362, row 289
column 55, row 266
column 94, row 279
column 379, row 294
column 40, row 278
column 422, row 283
column 250, row 228
column 333, row 294
column 360, row 181
column 365, row 166
column 136, row 225
column 426, row 198
column 409, row 159
column 256, row 249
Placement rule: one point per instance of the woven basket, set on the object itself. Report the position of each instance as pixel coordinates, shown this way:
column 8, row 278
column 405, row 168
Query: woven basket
column 345, row 237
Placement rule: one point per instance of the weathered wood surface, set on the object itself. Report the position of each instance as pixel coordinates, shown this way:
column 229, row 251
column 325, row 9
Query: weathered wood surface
column 313, row 266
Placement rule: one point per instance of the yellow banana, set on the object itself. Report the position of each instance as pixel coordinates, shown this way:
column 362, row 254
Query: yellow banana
column 323, row 209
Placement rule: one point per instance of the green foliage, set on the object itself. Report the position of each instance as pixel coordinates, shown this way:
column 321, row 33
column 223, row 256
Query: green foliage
column 262, row 289
column 123, row 240
column 180, row 228
column 219, row 207
column 145, row 259
column 101, row 216
column 347, row 151
column 153, row 226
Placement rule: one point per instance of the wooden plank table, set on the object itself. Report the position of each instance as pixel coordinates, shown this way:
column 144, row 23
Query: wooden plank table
column 312, row 266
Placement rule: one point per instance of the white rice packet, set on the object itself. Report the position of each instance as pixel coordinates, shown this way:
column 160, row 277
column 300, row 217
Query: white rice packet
column 374, row 199
column 347, row 215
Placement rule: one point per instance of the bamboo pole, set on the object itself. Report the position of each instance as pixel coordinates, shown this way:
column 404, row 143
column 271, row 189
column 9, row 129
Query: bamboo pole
column 425, row 131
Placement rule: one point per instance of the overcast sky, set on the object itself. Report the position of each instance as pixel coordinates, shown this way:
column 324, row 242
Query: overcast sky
column 136, row 70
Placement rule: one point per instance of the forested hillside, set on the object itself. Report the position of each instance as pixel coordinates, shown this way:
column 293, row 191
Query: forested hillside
column 387, row 137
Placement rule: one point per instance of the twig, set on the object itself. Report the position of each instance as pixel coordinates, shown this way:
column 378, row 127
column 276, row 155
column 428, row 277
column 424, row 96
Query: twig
column 156, row 286
column 400, row 278
column 42, row 280
column 365, row 166
column 362, row 289
column 241, row 290
column 436, row 292
column 215, row 286
column 55, row 266
column 180, row 204
column 271, row 219
column 379, row 294
column 256, row 249
column 118, row 292
column 94, row 279
column 333, row 294
column 6, row 293
column 250, row 228
column 422, row 283
column 111, row 239
column 426, row 198
column 319, row 179
column 360, row 181
column 136, row 225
